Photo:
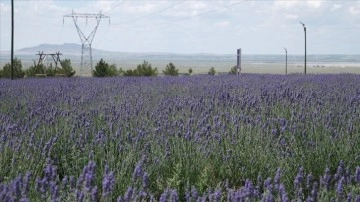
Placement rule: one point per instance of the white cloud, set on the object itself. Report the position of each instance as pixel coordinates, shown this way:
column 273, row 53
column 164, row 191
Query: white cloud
column 335, row 7
column 4, row 8
column 314, row 4
column 222, row 24
column 291, row 17
column 279, row 4
column 355, row 10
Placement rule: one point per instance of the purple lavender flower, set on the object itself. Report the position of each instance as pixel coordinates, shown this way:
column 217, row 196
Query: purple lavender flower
column 340, row 188
column 80, row 196
column 283, row 193
column 325, row 180
column 277, row 179
column 174, row 196
column 146, row 181
column 314, row 191
column 309, row 179
column 164, row 196
column 267, row 184
column 94, row 194
column 138, row 171
column 128, row 194
column 108, row 184
column 299, row 178
column 357, row 175
column 194, row 193
column 217, row 195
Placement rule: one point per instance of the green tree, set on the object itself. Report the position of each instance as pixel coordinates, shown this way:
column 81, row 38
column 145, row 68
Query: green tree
column 171, row 70
column 35, row 69
column 50, row 70
column 66, row 68
column 130, row 72
column 146, row 69
column 190, row 71
column 233, row 70
column 18, row 72
column 103, row 69
column 212, row 71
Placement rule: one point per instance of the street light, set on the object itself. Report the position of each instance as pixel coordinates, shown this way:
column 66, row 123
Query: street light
column 286, row 61
column 305, row 42
column 12, row 40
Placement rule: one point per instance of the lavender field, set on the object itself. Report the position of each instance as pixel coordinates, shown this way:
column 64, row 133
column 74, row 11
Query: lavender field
column 196, row 138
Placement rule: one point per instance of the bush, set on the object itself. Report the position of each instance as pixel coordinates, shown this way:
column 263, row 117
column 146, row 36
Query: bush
column 35, row 69
column 103, row 69
column 66, row 68
column 171, row 70
column 190, row 71
column 18, row 72
column 144, row 69
column 212, row 71
column 233, row 70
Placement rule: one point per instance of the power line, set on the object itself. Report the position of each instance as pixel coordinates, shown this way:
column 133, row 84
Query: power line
column 116, row 5
column 151, row 14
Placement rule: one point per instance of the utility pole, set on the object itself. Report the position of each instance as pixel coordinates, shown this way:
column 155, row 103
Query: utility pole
column 12, row 40
column 305, row 44
column 86, row 40
column 286, row 61
column 238, row 66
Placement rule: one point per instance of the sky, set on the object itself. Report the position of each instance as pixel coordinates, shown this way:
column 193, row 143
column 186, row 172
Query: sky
column 189, row 26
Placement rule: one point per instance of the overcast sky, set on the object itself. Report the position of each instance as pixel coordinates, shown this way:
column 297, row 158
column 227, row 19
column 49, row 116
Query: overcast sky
column 189, row 26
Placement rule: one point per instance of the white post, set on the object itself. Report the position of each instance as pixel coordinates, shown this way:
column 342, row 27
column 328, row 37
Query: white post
column 238, row 61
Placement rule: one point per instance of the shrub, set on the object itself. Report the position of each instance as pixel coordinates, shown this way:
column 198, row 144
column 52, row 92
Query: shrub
column 66, row 68
column 190, row 71
column 212, row 71
column 18, row 72
column 103, row 69
column 171, row 70
column 233, row 70
column 35, row 69
column 144, row 69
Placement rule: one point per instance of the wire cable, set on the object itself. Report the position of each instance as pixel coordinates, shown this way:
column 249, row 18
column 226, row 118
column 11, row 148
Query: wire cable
column 150, row 14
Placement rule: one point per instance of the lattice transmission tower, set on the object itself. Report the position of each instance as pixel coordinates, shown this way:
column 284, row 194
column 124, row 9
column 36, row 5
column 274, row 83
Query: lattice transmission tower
column 86, row 40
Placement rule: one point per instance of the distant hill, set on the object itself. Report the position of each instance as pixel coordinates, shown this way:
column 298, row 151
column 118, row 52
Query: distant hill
column 66, row 48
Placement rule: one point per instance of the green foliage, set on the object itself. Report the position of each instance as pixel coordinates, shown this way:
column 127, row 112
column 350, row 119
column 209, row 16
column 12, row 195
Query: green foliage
column 41, row 69
column 18, row 72
column 144, row 69
column 66, row 68
column 120, row 72
column 212, row 71
column 190, row 71
column 171, row 70
column 103, row 69
column 35, row 69
column 233, row 70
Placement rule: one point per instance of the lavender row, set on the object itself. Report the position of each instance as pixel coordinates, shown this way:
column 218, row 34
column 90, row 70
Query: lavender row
column 342, row 186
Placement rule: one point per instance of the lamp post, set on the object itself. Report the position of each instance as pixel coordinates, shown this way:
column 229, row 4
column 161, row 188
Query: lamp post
column 12, row 40
column 305, row 44
column 286, row 61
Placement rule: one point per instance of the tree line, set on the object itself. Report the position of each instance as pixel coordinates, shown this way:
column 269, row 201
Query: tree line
column 37, row 69
column 102, row 69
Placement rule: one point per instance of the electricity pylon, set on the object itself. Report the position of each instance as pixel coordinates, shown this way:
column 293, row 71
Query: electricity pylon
column 86, row 40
